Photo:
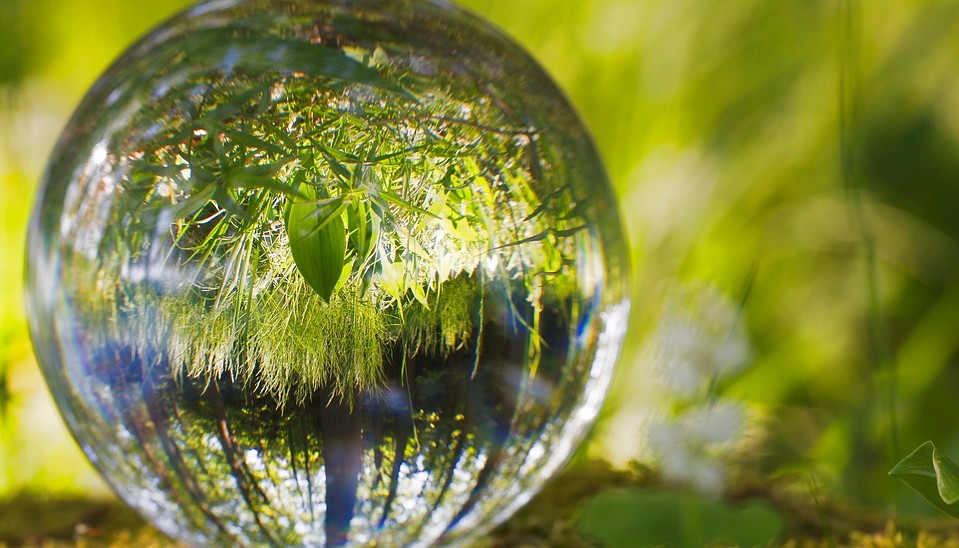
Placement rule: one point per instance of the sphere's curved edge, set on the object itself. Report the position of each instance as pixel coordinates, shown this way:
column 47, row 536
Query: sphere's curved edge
column 471, row 269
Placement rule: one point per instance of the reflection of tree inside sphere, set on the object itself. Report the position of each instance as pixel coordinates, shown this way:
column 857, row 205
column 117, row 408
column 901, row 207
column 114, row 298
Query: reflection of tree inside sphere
column 326, row 273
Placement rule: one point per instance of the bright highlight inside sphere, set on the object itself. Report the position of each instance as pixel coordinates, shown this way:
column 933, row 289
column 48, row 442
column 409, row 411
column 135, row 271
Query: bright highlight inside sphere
column 326, row 273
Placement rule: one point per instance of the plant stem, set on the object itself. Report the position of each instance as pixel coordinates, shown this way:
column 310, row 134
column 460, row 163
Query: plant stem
column 850, row 25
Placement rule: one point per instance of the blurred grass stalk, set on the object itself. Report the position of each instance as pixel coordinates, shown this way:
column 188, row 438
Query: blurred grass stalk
column 849, row 14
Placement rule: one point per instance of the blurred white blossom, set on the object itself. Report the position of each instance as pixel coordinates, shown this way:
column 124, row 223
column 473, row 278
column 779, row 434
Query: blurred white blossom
column 701, row 339
column 691, row 449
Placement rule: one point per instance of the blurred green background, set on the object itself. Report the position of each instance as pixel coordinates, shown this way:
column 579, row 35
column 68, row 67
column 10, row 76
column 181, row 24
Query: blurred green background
column 721, row 124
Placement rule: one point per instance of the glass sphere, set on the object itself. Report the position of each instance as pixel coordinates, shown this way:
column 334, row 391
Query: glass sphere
column 338, row 272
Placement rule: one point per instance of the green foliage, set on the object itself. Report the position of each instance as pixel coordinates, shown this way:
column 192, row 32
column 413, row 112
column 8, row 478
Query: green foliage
column 393, row 210
column 33, row 518
column 446, row 324
column 304, row 343
column 291, row 342
column 268, row 54
column 933, row 475
column 631, row 519
column 317, row 237
column 16, row 49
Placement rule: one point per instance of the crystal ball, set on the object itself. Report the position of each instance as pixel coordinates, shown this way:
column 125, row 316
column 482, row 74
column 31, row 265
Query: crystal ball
column 326, row 272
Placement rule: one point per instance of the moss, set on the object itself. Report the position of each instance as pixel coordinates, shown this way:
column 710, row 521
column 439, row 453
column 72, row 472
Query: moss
column 550, row 519
column 35, row 519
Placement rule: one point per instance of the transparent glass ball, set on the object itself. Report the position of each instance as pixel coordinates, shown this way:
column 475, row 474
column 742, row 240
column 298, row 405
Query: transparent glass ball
column 340, row 272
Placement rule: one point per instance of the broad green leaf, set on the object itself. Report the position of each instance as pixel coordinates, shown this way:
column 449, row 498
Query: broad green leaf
column 932, row 475
column 345, row 274
column 317, row 239
column 391, row 278
column 633, row 519
column 947, row 477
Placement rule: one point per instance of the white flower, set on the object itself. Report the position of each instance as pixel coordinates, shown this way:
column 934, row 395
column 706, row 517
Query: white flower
column 691, row 448
column 714, row 426
column 701, row 339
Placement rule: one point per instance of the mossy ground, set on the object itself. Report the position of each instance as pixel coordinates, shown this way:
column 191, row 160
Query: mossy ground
column 31, row 519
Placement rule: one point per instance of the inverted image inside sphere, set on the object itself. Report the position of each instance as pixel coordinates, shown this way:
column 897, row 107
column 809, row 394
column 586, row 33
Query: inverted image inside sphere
column 326, row 273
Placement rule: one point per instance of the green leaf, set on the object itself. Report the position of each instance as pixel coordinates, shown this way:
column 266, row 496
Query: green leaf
column 189, row 207
column 230, row 107
column 337, row 167
column 400, row 202
column 317, row 239
column 947, row 477
column 633, row 518
column 258, row 176
column 361, row 230
column 226, row 47
column 253, row 142
column 932, row 475
column 278, row 133
column 224, row 198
